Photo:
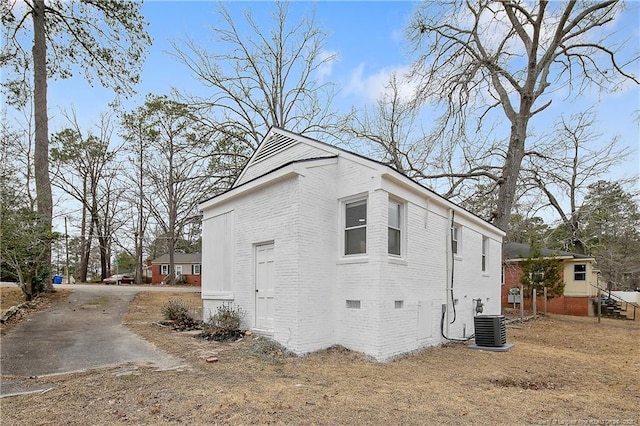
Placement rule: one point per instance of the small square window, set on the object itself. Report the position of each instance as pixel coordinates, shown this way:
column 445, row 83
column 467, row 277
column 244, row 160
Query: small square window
column 353, row 304
column 399, row 304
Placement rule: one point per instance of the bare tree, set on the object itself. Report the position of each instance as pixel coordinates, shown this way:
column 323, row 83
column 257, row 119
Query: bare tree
column 492, row 60
column 138, row 136
column 175, row 172
column 562, row 171
column 85, row 169
column 389, row 131
column 269, row 78
column 105, row 39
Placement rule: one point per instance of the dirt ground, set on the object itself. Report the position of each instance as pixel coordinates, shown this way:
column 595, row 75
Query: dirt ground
column 562, row 370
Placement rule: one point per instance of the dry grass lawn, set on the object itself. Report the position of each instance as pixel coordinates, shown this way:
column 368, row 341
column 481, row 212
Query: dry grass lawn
column 562, row 370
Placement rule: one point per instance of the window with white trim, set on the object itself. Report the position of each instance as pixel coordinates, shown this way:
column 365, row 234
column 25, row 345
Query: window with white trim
column 164, row 269
column 395, row 230
column 536, row 277
column 485, row 253
column 355, row 227
column 195, row 269
column 580, row 272
column 455, row 238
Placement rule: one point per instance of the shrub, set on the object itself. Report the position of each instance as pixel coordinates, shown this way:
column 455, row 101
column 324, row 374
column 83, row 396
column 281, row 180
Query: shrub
column 268, row 349
column 227, row 316
column 178, row 311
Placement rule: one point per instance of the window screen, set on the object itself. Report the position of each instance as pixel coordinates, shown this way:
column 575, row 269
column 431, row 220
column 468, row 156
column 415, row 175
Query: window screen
column 394, row 239
column 355, row 241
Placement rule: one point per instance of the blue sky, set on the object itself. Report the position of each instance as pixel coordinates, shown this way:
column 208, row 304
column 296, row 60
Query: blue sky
column 369, row 40
column 368, row 37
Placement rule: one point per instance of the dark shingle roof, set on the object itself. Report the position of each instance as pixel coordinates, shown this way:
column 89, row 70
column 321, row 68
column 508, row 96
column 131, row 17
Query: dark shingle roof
column 521, row 251
column 180, row 258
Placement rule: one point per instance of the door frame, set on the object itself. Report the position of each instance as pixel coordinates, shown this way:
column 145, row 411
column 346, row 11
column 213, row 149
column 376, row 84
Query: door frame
column 259, row 327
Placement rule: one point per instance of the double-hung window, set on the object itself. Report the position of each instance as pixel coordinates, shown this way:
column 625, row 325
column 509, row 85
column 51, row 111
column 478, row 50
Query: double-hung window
column 195, row 269
column 355, row 230
column 164, row 269
column 580, row 272
column 536, row 277
column 455, row 238
column 395, row 222
column 485, row 253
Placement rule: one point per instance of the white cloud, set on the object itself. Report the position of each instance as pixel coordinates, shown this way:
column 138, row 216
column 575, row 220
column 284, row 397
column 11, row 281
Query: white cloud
column 372, row 87
column 328, row 59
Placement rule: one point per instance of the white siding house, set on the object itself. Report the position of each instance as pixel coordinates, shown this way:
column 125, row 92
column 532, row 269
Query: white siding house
column 321, row 246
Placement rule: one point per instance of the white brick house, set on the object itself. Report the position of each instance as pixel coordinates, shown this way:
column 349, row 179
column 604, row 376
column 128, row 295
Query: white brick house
column 321, row 246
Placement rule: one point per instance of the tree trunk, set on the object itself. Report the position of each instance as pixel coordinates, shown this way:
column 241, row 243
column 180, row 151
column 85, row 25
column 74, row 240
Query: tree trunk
column 510, row 173
column 86, row 252
column 28, row 289
column 41, row 152
column 139, row 277
column 85, row 245
column 140, row 231
column 105, row 265
column 172, row 248
column 173, row 213
column 105, row 259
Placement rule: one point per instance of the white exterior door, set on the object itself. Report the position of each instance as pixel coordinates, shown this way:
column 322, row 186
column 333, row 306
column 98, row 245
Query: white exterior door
column 264, row 286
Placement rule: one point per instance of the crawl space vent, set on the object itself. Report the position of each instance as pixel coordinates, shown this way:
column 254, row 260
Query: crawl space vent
column 490, row 330
column 277, row 142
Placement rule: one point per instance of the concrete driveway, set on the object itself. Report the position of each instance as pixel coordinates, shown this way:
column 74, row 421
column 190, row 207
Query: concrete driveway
column 81, row 333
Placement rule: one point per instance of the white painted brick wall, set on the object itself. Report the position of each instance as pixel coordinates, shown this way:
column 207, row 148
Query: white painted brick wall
column 314, row 280
column 317, row 253
column 267, row 215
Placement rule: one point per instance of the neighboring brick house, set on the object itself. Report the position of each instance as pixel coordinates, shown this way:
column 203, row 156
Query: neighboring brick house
column 579, row 273
column 320, row 246
column 187, row 268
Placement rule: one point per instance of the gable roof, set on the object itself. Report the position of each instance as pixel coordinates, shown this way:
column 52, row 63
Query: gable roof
column 278, row 140
column 514, row 251
column 179, row 258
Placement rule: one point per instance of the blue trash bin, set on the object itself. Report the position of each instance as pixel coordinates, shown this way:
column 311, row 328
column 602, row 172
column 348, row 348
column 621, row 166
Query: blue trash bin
column 57, row 279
